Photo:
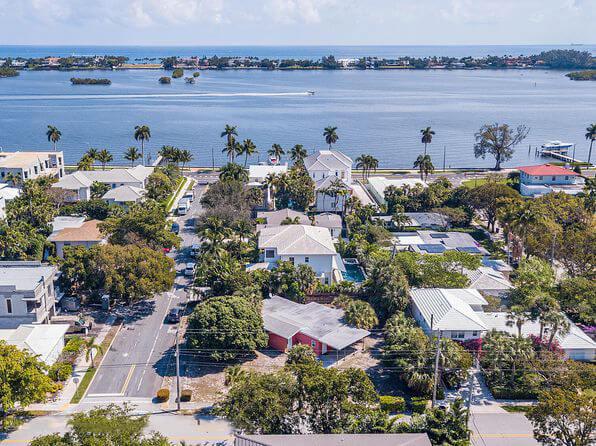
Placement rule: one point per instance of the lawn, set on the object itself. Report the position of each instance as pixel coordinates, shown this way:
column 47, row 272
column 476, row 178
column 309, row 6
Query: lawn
column 90, row 373
column 479, row 182
column 179, row 183
column 514, row 408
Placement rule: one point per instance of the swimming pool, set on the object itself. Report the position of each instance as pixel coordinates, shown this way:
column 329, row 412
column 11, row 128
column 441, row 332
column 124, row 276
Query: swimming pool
column 353, row 273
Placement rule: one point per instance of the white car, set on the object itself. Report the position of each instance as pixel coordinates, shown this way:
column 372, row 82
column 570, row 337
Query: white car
column 195, row 249
column 189, row 270
column 183, row 206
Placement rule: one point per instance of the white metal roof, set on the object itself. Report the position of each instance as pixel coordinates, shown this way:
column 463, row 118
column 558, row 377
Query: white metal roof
column 36, row 339
column 447, row 310
column 297, row 239
column 124, row 193
column 73, row 181
column 486, row 278
column 327, row 160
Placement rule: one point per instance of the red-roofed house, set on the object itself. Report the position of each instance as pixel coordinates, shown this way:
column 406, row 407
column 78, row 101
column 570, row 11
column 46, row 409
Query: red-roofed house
column 540, row 180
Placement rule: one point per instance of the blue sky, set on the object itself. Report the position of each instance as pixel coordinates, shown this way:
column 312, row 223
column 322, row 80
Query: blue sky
column 296, row 22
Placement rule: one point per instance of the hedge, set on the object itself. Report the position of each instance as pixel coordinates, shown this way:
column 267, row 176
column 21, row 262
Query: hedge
column 163, row 395
column 185, row 395
column 60, row 371
column 418, row 404
column 392, row 404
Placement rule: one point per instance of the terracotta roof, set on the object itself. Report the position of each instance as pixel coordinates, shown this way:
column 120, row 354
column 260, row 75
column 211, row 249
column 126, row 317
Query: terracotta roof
column 546, row 170
column 87, row 232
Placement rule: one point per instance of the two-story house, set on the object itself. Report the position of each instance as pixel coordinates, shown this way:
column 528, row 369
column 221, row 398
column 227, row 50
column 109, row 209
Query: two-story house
column 302, row 245
column 27, row 294
column 540, row 180
column 75, row 231
column 332, row 172
column 31, row 165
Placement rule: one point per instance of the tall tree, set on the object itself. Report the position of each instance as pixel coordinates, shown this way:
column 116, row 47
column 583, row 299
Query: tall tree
column 90, row 346
column 185, row 156
column 427, row 137
column 104, row 157
column 298, row 153
column 142, row 133
column 229, row 132
column 248, row 149
column 488, row 198
column 53, row 135
column 132, row 154
column 424, row 165
column 92, row 153
column 498, row 140
column 85, row 163
column 276, row 151
column 591, row 136
column 233, row 171
column 330, row 134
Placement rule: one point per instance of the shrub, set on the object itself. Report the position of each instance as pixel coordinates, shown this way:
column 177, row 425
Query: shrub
column 418, row 404
column 163, row 395
column 165, row 80
column 73, row 345
column 185, row 395
column 196, row 74
column 178, row 72
column 60, row 371
column 392, row 404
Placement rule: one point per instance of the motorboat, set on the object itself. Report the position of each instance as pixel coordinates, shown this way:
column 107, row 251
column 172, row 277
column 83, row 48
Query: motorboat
column 557, row 146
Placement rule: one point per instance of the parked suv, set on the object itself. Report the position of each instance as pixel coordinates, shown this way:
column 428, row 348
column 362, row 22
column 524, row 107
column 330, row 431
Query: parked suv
column 174, row 315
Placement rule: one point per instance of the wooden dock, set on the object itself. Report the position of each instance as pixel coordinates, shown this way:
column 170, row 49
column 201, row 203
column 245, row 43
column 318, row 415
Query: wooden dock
column 559, row 156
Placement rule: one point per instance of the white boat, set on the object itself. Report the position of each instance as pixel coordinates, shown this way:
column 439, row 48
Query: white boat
column 557, row 146
column 311, row 92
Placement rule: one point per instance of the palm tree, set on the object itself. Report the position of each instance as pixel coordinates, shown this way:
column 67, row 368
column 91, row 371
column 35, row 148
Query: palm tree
column 424, row 165
column 13, row 178
column 53, row 135
column 142, row 133
column 234, row 374
column 89, row 346
column 229, row 132
column 362, row 164
column 290, row 221
column 230, row 150
column 271, row 183
column 132, row 154
column 367, row 163
column 92, row 153
column 518, row 316
column 104, row 157
column 591, row 136
column 244, row 229
column 213, row 231
column 557, row 323
column 233, row 171
column 85, row 163
column 298, row 153
column 248, row 148
column 330, row 134
column 185, row 156
column 276, row 151
column 399, row 218
column 427, row 137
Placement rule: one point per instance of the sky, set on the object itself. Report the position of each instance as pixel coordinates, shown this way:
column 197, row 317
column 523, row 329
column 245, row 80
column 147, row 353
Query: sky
column 296, row 22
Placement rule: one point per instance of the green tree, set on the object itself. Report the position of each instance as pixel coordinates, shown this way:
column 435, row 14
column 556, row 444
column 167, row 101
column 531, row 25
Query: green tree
column 488, row 198
column 159, row 187
column 234, row 374
column 276, row 151
column 229, row 132
column 142, row 133
column 366, row 163
column 85, row 163
column 248, row 149
column 399, row 218
column 447, row 427
column 361, row 315
column 233, row 171
column 388, row 289
column 132, row 154
column 89, row 346
column 213, row 231
column 424, row 165
column 577, row 298
column 591, row 136
column 225, row 327
column 104, row 157
column 298, row 153
column 293, row 282
column 92, row 153
column 111, row 425
column 498, row 140
column 53, row 135
column 427, row 137
column 98, row 189
column 22, row 379
column 565, row 417
column 330, row 134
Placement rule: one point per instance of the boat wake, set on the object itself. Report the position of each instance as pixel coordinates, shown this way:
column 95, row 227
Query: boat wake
column 140, row 96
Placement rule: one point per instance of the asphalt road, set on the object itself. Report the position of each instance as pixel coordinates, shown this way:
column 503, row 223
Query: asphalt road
column 503, row 429
column 143, row 351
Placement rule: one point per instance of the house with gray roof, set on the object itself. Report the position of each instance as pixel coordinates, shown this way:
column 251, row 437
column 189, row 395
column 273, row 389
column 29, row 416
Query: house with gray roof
column 45, row 341
column 434, row 242
column 423, row 220
column 330, row 170
column 124, row 195
column 488, row 280
column 333, row 440
column 327, row 220
column 289, row 323
column 302, row 245
column 27, row 294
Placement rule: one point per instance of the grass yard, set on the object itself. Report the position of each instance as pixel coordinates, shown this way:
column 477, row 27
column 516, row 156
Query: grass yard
column 516, row 409
column 470, row 184
column 171, row 201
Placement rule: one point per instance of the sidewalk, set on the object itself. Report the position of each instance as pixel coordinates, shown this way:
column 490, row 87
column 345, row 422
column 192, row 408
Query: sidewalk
column 62, row 401
column 482, row 400
column 180, row 193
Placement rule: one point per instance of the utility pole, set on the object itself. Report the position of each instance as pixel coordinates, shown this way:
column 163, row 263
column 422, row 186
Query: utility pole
column 444, row 154
column 177, row 372
column 436, row 378
column 212, row 160
column 470, row 387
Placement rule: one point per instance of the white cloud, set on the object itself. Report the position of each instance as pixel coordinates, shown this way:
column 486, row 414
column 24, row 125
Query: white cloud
column 289, row 11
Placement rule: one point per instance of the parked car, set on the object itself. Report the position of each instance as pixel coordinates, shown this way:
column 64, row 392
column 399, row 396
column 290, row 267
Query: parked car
column 195, row 249
column 189, row 270
column 173, row 316
column 175, row 228
column 77, row 324
column 183, row 206
column 189, row 195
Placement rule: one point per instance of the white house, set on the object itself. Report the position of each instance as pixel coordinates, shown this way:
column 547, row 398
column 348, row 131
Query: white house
column 377, row 185
column 488, row 280
column 329, row 169
column 456, row 313
column 31, row 165
column 44, row 341
column 302, row 245
column 27, row 294
column 330, row 221
column 124, row 195
column 434, row 242
column 7, row 193
column 540, row 180
column 75, row 231
column 256, row 178
column 576, row 344
column 81, row 180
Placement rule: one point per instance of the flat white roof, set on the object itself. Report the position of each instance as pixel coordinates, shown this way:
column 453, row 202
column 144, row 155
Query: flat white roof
column 258, row 171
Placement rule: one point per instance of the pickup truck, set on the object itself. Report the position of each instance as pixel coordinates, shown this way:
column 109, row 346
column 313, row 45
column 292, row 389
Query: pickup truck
column 77, row 324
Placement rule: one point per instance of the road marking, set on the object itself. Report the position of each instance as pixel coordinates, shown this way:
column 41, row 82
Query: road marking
column 128, row 377
column 99, row 395
column 502, row 435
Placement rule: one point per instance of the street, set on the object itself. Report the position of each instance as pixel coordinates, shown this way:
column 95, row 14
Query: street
column 143, row 351
column 501, row 429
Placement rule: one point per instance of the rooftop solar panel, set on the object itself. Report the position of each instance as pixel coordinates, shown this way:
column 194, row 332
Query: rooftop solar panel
column 469, row 249
column 432, row 248
column 439, row 235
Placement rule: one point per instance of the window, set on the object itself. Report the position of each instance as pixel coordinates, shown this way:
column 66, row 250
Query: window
column 475, row 334
column 306, row 259
column 540, row 177
column 59, row 161
column 47, row 164
column 313, row 344
column 567, row 177
column 269, row 253
column 554, row 178
column 26, row 175
column 460, row 335
column 291, row 260
column 343, row 174
column 35, row 169
column 326, row 280
column 9, row 306
column 336, row 173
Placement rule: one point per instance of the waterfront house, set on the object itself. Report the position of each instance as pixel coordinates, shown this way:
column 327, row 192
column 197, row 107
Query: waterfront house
column 75, row 231
column 31, row 165
column 333, row 440
column 302, row 245
column 433, row 242
column 290, row 323
column 377, row 185
column 257, row 174
column 331, row 171
column 456, row 313
column 540, row 180
column 44, row 341
column 27, row 293
column 124, row 195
